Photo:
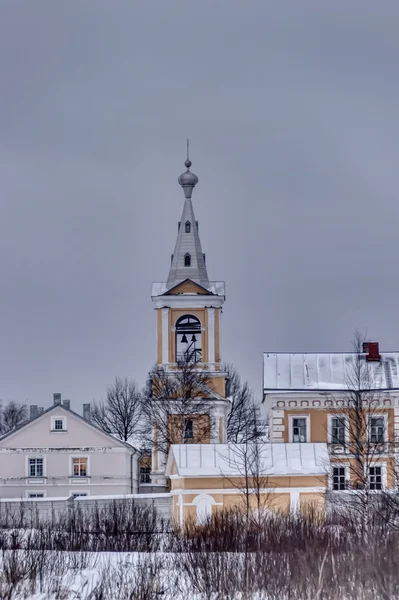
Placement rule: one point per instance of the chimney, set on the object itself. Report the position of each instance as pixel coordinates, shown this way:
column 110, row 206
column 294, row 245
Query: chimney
column 373, row 352
column 365, row 347
column 66, row 404
column 40, row 409
column 86, row 412
column 57, row 398
column 33, row 411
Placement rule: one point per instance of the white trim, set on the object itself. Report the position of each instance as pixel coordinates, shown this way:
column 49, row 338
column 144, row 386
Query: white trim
column 294, row 502
column 383, row 466
column 35, row 455
column 290, row 432
column 28, row 492
column 64, row 424
column 188, row 301
column 378, row 415
column 338, row 464
column 230, row 491
column 211, row 336
column 338, row 415
column 206, row 510
column 165, row 335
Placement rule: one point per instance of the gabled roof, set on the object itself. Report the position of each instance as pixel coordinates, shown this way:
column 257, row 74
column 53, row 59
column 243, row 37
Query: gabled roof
column 218, row 460
column 188, row 243
column 76, row 415
column 199, row 287
column 284, row 372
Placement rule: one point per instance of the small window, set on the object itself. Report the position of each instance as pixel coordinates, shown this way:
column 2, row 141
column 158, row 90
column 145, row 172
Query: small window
column 188, row 227
column 58, row 424
column 36, row 467
column 79, row 466
column 188, row 433
column 338, row 427
column 187, row 260
column 145, row 475
column 375, row 478
column 34, row 495
column 377, row 430
column 299, row 430
column 77, row 494
column 339, row 482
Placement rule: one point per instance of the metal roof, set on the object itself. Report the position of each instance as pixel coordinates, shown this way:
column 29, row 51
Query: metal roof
column 207, row 460
column 325, row 371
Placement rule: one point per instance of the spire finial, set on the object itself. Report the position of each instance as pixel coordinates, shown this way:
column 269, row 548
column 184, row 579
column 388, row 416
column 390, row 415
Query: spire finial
column 188, row 180
column 188, row 162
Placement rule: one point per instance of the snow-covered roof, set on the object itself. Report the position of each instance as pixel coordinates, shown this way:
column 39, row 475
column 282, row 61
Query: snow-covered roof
column 215, row 287
column 212, row 460
column 324, row 371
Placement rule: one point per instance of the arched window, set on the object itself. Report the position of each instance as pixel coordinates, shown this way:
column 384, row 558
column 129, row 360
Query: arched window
column 188, row 339
column 188, row 226
column 203, row 504
column 187, row 260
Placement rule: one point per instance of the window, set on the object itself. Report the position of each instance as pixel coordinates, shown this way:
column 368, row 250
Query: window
column 188, row 227
column 187, row 260
column 77, row 494
column 338, row 428
column 375, row 478
column 145, row 474
column 377, row 430
column 79, row 467
column 188, row 433
column 188, row 339
column 58, row 424
column 35, row 495
column 36, row 467
column 339, row 482
column 299, row 429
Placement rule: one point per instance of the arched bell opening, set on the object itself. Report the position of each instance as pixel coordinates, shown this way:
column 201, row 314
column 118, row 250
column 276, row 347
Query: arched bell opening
column 188, row 339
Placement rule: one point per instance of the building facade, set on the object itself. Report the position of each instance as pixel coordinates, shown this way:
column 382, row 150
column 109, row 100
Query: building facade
column 58, row 453
column 348, row 401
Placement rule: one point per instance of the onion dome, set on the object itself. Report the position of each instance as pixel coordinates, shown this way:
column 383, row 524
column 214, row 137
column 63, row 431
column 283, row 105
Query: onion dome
column 188, row 180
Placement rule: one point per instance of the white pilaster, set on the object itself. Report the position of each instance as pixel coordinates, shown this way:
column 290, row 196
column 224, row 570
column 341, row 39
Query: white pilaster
column 294, row 502
column 211, row 337
column 165, row 336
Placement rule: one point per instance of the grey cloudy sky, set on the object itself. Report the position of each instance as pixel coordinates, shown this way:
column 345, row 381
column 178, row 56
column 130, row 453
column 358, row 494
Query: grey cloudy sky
column 292, row 112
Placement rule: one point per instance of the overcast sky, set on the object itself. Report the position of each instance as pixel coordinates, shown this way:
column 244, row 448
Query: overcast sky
column 292, row 112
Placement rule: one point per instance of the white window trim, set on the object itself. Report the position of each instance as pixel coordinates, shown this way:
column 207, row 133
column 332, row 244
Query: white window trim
column 330, row 417
column 27, row 469
column 290, row 424
column 378, row 416
column 197, row 500
column 71, row 457
column 347, row 475
column 383, row 466
column 64, row 424
column 29, row 492
column 80, row 492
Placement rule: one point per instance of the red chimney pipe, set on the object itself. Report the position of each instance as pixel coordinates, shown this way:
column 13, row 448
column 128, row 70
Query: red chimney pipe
column 373, row 351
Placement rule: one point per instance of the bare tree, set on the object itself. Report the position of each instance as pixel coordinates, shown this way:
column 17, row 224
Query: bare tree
column 243, row 421
column 177, row 406
column 12, row 416
column 360, row 428
column 121, row 412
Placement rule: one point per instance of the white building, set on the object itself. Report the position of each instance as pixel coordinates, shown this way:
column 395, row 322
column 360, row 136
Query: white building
column 58, row 453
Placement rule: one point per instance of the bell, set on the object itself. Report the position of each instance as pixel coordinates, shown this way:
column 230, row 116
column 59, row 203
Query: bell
column 184, row 339
column 193, row 339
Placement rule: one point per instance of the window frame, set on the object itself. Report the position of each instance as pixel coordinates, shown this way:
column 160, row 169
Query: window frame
column 145, row 471
column 338, row 465
column 185, row 436
column 79, row 457
column 383, row 476
column 35, row 494
column 330, row 428
column 79, row 493
column 291, row 427
column 64, row 424
column 187, row 259
column 383, row 416
column 187, row 227
column 28, row 467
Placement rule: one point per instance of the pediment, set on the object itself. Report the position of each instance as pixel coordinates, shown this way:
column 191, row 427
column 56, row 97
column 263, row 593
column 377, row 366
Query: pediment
column 188, row 287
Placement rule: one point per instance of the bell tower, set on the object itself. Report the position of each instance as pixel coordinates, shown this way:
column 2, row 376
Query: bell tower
column 188, row 311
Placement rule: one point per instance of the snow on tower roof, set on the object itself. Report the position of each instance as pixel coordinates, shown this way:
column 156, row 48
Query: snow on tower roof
column 284, row 372
column 213, row 460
